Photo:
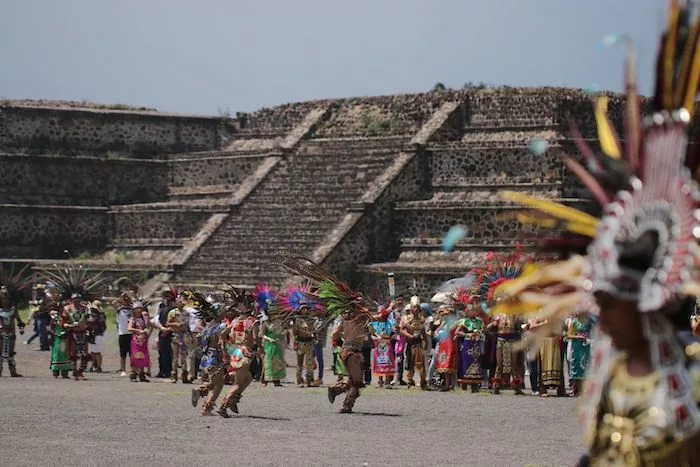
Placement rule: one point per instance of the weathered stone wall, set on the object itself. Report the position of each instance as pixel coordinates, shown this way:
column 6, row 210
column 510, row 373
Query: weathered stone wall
column 174, row 224
column 220, row 169
column 371, row 238
column 45, row 232
column 457, row 167
column 94, row 131
column 80, row 181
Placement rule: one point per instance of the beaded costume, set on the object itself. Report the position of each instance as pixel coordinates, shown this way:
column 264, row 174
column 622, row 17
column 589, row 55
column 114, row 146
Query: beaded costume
column 11, row 286
column 641, row 262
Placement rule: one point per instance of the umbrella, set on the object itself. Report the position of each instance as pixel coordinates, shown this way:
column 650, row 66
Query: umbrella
column 446, row 291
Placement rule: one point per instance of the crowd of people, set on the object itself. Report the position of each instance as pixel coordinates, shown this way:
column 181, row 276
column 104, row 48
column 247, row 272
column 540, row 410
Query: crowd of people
column 444, row 345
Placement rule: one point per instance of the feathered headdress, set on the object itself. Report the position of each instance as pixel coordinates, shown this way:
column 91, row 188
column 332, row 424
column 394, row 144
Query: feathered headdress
column 499, row 269
column 13, row 283
column 336, row 296
column 265, row 296
column 74, row 281
column 235, row 297
column 197, row 300
column 298, row 296
column 643, row 248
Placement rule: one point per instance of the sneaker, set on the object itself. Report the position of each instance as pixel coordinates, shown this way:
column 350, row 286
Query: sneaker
column 123, row 373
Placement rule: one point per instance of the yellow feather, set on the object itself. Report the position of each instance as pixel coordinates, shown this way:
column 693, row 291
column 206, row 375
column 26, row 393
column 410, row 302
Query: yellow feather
column 606, row 135
column 539, row 221
column 568, row 271
column 692, row 289
column 585, row 230
column 693, row 81
column 686, row 62
column 552, row 208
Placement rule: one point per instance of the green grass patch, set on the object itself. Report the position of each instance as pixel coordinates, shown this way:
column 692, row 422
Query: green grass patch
column 110, row 313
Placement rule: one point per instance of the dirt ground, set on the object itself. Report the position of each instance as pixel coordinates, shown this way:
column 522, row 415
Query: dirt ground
column 109, row 421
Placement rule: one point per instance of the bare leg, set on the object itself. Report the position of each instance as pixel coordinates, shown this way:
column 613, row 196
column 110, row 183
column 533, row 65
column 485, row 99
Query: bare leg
column 242, row 379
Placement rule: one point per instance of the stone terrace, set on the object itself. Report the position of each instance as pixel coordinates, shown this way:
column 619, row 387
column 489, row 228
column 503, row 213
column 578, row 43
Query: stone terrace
column 294, row 208
column 364, row 185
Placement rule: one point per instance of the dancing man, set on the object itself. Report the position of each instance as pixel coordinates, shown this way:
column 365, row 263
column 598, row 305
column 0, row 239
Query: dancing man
column 10, row 296
column 212, row 362
column 244, row 335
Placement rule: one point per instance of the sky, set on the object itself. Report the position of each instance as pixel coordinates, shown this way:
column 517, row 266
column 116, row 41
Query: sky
column 213, row 56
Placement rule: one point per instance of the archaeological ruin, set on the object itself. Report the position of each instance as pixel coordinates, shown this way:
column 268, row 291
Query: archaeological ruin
column 364, row 186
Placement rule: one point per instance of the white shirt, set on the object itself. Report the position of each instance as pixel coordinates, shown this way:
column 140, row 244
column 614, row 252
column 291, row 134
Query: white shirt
column 123, row 317
column 194, row 323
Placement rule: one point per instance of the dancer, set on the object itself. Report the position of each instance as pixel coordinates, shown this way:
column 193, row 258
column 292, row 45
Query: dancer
column 75, row 321
column 471, row 329
column 339, row 369
column 140, row 329
column 353, row 329
column 636, row 267
column 11, row 286
column 578, row 332
column 304, row 331
column 447, row 356
column 244, row 335
column 384, row 360
column 213, row 348
column 339, row 300
column 510, row 363
column 75, row 286
column 412, row 327
column 61, row 362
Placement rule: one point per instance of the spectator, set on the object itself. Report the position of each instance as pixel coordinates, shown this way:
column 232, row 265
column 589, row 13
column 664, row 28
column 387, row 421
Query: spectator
column 124, row 314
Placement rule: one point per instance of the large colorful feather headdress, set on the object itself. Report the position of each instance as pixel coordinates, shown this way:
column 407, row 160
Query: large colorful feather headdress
column 13, row 283
column 643, row 248
column 336, row 296
column 265, row 296
column 74, row 280
column 197, row 300
column 298, row 296
column 499, row 269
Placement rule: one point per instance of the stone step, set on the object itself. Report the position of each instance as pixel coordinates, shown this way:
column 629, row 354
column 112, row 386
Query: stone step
column 260, row 233
column 486, row 222
column 165, row 224
column 460, row 194
column 201, row 191
column 435, row 243
column 304, row 242
column 205, row 205
column 148, row 242
column 479, row 123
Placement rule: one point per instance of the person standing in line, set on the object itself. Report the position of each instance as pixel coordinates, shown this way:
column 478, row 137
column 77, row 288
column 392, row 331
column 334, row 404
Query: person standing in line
column 124, row 314
column 165, row 350
column 97, row 325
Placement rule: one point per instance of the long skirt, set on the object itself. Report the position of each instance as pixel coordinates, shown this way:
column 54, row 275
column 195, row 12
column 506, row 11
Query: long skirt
column 274, row 365
column 580, row 354
column 61, row 352
column 470, row 362
column 140, row 355
column 447, row 356
column 551, row 363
